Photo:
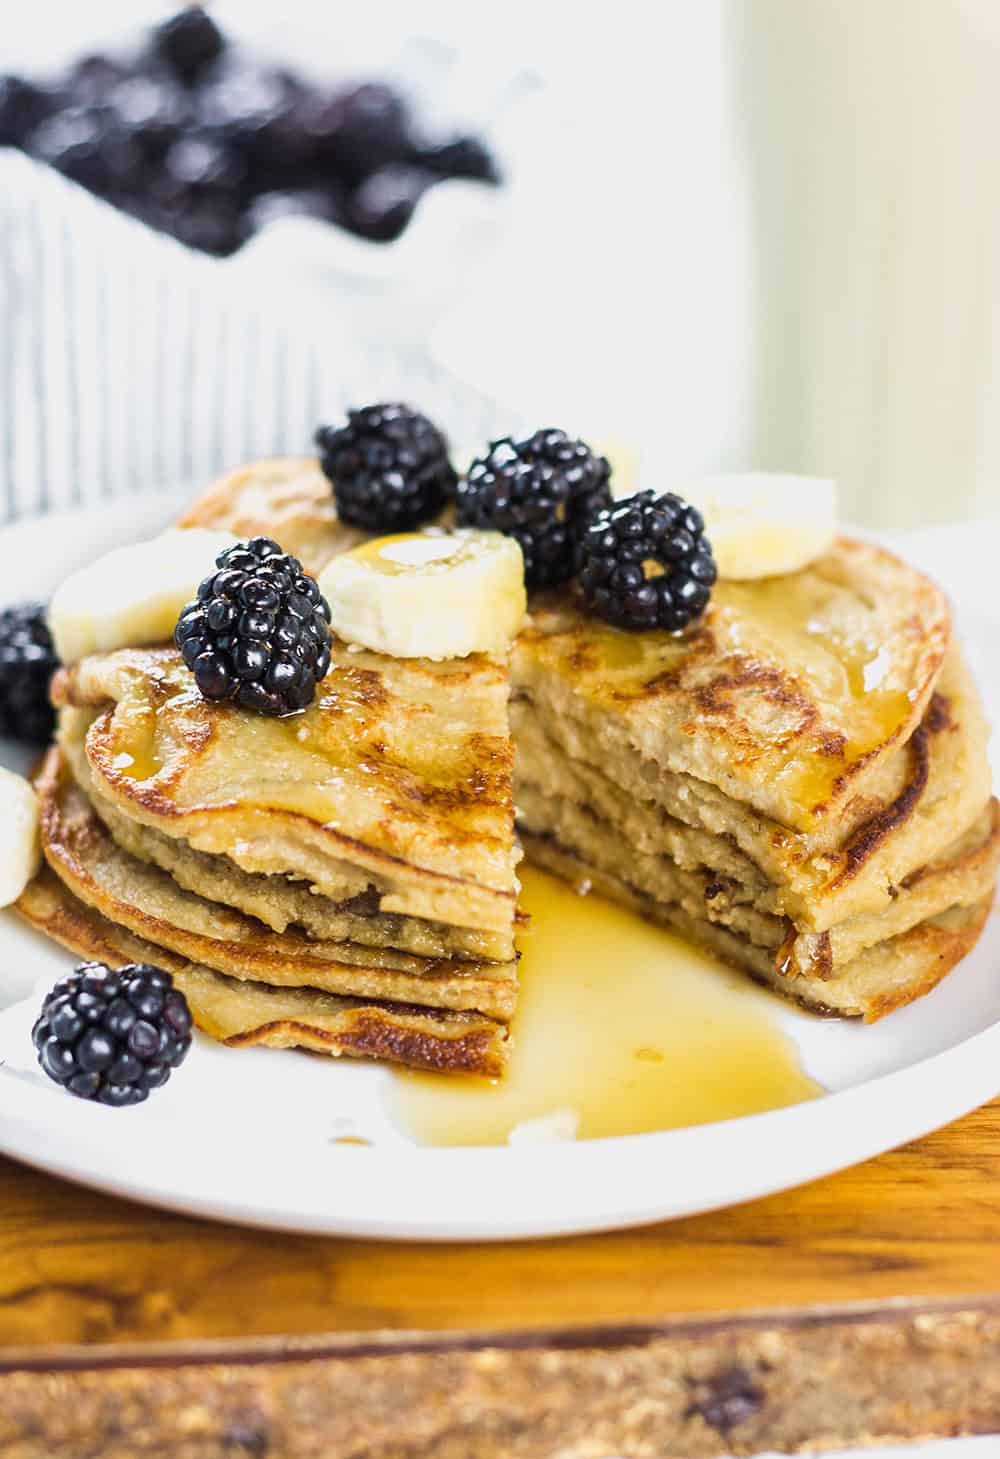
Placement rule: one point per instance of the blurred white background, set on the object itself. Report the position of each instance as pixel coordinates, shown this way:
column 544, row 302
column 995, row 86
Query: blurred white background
column 740, row 232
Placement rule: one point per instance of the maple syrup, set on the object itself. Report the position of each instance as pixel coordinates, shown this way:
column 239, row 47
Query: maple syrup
column 622, row 1024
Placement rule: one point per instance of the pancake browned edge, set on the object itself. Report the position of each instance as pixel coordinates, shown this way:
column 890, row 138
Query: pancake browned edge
column 886, row 976
column 148, row 902
column 396, row 780
column 240, row 1013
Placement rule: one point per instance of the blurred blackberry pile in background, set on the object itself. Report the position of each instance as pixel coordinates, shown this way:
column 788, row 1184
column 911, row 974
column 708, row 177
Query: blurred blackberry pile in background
column 201, row 141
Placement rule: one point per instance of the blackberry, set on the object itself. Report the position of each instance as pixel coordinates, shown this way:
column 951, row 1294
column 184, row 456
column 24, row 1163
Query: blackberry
column 23, row 106
column 542, row 492
column 85, row 144
column 27, row 663
column 465, row 157
column 189, row 42
column 204, row 163
column 113, row 1036
column 92, row 78
column 383, row 205
column 269, row 207
column 389, row 468
column 152, row 111
column 619, row 544
column 259, row 632
column 364, row 129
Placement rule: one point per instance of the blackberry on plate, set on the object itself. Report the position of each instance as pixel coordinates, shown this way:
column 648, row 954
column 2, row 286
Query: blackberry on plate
column 259, row 632
column 620, row 544
column 27, row 663
column 542, row 492
column 389, row 468
column 113, row 1036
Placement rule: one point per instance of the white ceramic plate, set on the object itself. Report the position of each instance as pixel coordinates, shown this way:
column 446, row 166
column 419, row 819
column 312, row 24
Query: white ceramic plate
column 252, row 1135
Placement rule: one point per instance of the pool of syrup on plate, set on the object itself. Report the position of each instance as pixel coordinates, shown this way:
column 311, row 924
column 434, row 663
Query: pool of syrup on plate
column 622, row 1025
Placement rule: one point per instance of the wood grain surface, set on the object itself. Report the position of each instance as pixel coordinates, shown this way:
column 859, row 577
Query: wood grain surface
column 77, row 1267
column 850, row 1276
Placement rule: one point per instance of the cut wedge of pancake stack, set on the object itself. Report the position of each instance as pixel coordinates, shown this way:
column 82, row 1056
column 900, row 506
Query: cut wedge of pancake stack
column 799, row 783
column 343, row 879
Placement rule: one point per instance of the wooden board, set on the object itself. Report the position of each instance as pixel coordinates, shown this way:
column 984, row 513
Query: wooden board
column 862, row 1307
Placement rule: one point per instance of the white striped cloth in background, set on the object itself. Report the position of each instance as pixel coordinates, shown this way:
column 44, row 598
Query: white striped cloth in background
column 129, row 363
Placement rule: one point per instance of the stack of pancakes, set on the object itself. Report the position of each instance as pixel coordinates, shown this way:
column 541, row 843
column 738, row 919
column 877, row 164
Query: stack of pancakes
column 801, row 786
column 342, row 880
column 799, row 783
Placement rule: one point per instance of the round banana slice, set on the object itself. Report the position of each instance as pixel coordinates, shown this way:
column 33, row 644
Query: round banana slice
column 428, row 595
column 132, row 596
column 764, row 524
column 20, row 855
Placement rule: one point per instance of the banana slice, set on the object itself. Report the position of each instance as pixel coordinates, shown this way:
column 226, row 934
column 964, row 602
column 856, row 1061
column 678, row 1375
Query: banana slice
column 763, row 524
column 20, row 855
column 428, row 595
column 132, row 596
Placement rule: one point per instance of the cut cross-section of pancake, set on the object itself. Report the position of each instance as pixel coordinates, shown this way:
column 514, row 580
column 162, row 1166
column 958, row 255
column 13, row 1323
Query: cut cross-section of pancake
column 149, row 903
column 394, row 785
column 786, row 696
column 808, row 910
column 241, row 1013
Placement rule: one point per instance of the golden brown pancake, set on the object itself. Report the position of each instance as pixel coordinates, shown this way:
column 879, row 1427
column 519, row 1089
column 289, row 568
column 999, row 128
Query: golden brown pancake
column 667, row 833
column 786, row 695
column 397, row 777
column 803, row 774
column 276, row 901
column 288, row 499
column 149, row 903
column 885, row 977
column 799, row 783
column 241, row 1013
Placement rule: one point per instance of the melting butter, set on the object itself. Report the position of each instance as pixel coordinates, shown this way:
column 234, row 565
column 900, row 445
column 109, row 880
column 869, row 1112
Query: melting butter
column 624, row 1026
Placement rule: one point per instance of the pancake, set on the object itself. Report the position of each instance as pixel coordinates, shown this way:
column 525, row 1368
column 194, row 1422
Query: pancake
column 149, row 903
column 925, row 797
column 275, row 900
column 667, row 832
column 801, row 779
column 786, row 695
column 286, row 498
column 397, row 778
column 243, row 1013
column 885, row 977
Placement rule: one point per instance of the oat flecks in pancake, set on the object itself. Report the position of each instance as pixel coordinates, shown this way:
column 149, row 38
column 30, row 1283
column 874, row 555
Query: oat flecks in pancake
column 239, row 1013
column 929, row 794
column 149, row 903
column 786, row 695
column 275, row 900
column 885, row 977
column 400, row 769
